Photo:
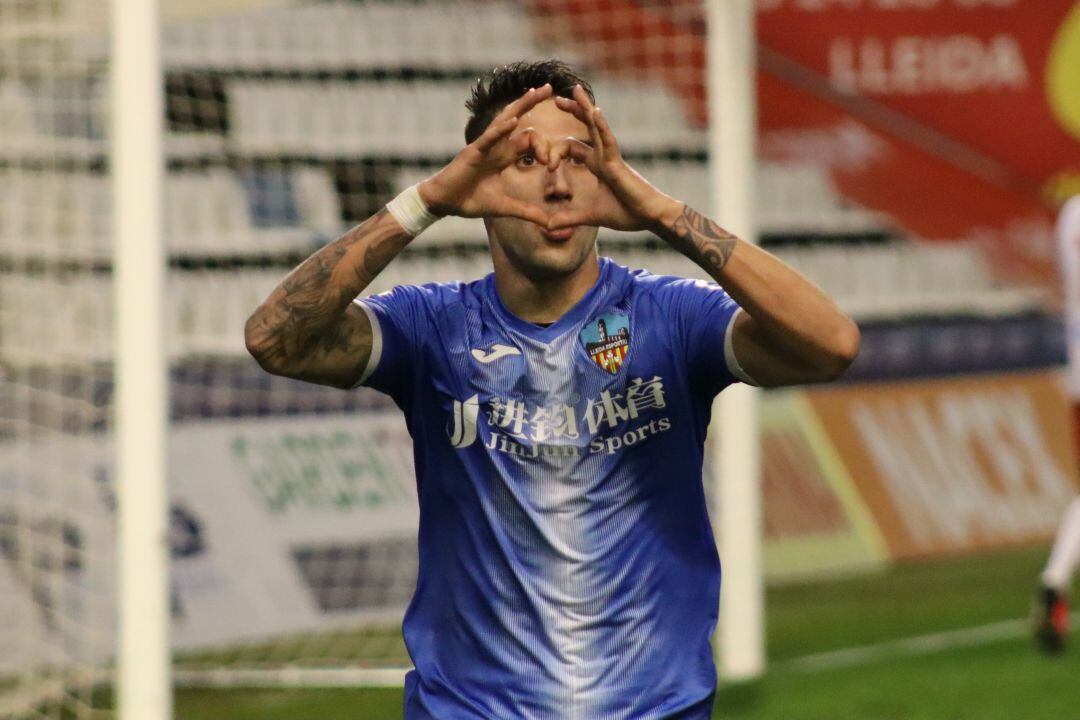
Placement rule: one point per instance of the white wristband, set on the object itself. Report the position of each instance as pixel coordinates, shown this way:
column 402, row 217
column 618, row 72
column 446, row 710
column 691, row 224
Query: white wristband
column 411, row 212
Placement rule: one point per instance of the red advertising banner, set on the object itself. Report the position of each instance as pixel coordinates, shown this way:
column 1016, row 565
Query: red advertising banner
column 955, row 465
column 967, row 112
column 958, row 118
column 1000, row 76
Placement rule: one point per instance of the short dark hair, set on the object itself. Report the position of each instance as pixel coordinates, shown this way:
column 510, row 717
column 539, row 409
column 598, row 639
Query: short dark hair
column 506, row 84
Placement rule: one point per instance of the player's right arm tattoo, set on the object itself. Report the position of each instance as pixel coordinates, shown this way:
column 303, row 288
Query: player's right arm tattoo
column 701, row 240
column 305, row 329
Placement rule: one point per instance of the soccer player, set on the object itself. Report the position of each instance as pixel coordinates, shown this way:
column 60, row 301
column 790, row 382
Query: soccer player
column 558, row 409
column 1052, row 600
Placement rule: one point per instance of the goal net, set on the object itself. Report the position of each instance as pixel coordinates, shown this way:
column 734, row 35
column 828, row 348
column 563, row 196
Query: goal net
column 293, row 509
column 57, row 551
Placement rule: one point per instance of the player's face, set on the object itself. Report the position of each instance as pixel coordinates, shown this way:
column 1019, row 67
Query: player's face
column 529, row 248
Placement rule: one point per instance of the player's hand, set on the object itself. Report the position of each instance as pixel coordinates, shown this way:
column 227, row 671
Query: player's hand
column 469, row 186
column 627, row 201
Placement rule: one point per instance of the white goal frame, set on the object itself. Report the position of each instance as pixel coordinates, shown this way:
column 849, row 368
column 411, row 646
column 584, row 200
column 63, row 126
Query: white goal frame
column 144, row 686
column 735, row 447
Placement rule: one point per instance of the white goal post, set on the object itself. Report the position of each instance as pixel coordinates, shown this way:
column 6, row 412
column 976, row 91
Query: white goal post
column 144, row 687
column 736, row 443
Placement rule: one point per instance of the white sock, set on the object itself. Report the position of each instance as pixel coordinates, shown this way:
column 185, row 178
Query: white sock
column 1065, row 555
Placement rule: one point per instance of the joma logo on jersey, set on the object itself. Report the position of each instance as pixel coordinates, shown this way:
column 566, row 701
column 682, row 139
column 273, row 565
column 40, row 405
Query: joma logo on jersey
column 497, row 352
column 607, row 341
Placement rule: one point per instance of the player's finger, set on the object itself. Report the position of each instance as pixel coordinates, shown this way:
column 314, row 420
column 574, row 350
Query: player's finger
column 582, row 99
column 528, row 101
column 495, row 132
column 606, row 134
column 528, row 141
column 541, row 149
column 595, row 136
column 563, row 150
column 513, row 207
column 569, row 218
column 579, row 106
column 571, row 106
column 574, row 108
column 579, row 151
column 556, row 157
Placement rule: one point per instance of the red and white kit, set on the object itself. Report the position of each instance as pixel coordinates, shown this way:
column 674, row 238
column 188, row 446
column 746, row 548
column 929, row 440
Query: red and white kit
column 1066, row 552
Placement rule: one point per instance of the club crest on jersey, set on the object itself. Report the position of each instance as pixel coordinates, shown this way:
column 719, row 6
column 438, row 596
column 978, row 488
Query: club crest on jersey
column 607, row 341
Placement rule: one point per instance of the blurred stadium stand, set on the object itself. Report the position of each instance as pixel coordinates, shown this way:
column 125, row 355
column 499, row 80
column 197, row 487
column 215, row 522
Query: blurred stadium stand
column 288, row 124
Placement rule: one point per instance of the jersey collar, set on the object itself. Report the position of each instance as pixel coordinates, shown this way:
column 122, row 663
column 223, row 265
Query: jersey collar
column 581, row 310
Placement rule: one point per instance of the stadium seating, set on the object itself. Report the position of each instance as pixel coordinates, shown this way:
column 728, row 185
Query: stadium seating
column 206, row 309
column 332, row 118
column 57, row 119
column 211, row 212
column 448, row 36
column 270, row 109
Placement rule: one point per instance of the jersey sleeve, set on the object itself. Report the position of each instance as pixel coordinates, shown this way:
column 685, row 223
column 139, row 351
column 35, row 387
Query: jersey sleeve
column 704, row 318
column 399, row 324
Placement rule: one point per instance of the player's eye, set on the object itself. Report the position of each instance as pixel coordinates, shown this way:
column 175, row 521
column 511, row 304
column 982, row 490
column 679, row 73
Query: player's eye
column 526, row 160
column 578, row 161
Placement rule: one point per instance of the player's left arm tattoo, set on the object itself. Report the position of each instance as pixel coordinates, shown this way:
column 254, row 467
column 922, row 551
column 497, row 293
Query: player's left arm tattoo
column 701, row 239
column 792, row 333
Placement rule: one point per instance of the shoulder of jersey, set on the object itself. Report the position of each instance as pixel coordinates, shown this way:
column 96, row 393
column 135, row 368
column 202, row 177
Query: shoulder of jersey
column 646, row 279
column 441, row 295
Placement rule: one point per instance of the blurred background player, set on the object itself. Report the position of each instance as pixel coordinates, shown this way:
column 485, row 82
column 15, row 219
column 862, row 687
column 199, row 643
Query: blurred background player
column 558, row 409
column 1052, row 603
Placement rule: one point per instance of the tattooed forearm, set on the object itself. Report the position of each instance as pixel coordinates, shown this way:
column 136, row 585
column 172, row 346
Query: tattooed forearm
column 379, row 252
column 701, row 239
column 301, row 323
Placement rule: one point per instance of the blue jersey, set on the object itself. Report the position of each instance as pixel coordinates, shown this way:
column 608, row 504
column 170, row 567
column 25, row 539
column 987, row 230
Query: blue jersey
column 567, row 566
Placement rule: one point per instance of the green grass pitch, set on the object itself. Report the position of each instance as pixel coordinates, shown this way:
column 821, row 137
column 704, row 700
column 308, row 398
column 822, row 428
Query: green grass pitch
column 1001, row 678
